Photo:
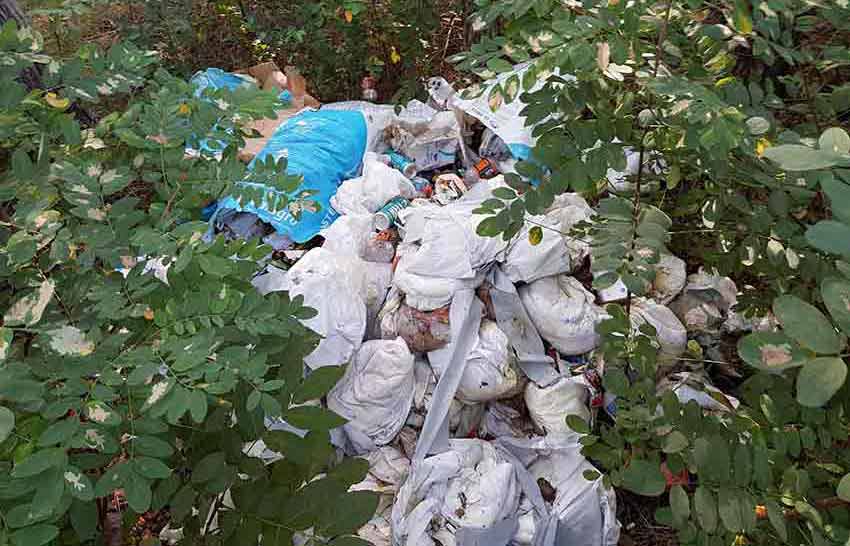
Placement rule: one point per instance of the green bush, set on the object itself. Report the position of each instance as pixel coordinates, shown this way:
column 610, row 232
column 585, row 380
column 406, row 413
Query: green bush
column 120, row 381
column 739, row 98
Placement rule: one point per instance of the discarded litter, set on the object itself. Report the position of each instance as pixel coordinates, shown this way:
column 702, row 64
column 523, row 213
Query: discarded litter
column 465, row 354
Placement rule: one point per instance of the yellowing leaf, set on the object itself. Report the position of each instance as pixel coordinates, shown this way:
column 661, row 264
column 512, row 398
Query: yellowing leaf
column 535, row 235
column 348, row 16
column 28, row 310
column 70, row 341
column 394, row 56
column 183, row 109
column 762, row 145
column 59, row 103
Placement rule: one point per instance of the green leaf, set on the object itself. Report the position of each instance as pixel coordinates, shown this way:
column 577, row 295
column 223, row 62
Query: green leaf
column 7, row 423
column 497, row 65
column 59, row 432
column 730, row 510
column 644, row 478
column 680, row 504
column 831, row 237
column 771, row 351
column 796, row 157
column 198, row 405
column 806, row 324
column 6, row 336
column 839, row 198
column 836, row 297
column 37, row 535
column 253, row 400
column 349, row 541
column 577, row 424
column 152, row 446
column 350, row 471
column 40, row 461
column 313, row 418
column 151, row 468
column 705, row 508
column 208, row 467
column 138, row 493
column 675, row 442
column 743, row 465
column 352, row 511
column 84, row 519
column 843, row 489
column 819, row 380
column 28, row 309
column 181, row 504
column 835, row 140
column 504, row 193
column 777, row 519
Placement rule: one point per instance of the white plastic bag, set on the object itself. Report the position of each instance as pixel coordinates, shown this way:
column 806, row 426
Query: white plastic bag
column 564, row 313
column 368, row 193
column 375, row 393
column 550, row 406
column 348, row 234
column 705, row 302
column 670, row 278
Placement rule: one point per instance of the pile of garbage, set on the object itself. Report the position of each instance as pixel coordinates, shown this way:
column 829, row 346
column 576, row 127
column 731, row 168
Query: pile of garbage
column 465, row 354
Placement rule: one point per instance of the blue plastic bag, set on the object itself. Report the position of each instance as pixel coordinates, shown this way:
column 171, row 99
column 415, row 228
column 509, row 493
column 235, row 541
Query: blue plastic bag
column 325, row 147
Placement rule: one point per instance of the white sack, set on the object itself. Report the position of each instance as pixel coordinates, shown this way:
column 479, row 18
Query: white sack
column 564, row 313
column 348, row 234
column 550, row 406
column 556, row 253
column 671, row 334
column 375, row 393
column 470, row 487
column 586, row 510
column 490, row 372
column 705, row 302
column 368, row 193
column 670, row 278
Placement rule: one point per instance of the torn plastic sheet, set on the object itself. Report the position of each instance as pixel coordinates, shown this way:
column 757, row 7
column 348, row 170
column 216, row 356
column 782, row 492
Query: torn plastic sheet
column 514, row 321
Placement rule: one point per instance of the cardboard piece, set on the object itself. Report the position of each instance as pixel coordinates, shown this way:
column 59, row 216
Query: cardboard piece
column 269, row 77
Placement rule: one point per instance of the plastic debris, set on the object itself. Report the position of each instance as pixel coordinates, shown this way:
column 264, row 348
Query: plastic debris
column 375, row 394
column 550, row 406
column 368, row 193
column 564, row 313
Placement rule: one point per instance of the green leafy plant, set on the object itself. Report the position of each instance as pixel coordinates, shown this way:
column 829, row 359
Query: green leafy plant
column 743, row 100
column 152, row 388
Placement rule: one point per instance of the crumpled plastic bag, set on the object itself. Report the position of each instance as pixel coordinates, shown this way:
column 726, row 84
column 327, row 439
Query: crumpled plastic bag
column 564, row 313
column 368, row 193
column 550, row 406
column 425, row 136
column 375, row 393
column 423, row 331
column 500, row 419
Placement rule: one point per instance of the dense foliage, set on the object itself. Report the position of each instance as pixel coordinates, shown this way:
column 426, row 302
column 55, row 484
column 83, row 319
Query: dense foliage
column 744, row 100
column 117, row 377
